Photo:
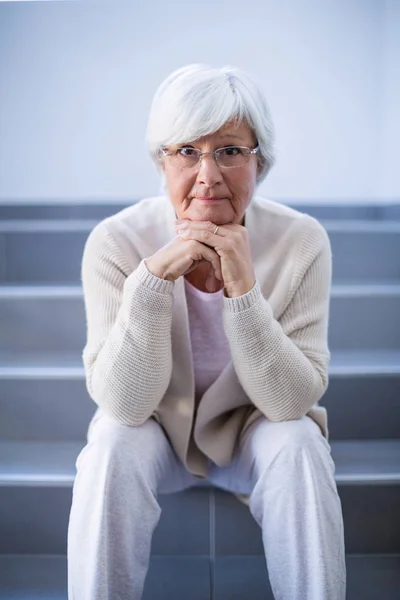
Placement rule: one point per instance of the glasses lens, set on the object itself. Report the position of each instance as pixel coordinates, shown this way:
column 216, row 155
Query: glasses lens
column 186, row 157
column 231, row 157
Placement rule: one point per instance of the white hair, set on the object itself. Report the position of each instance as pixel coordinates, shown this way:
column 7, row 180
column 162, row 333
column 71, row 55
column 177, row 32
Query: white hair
column 197, row 100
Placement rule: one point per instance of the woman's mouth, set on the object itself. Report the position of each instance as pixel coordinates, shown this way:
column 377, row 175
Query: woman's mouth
column 209, row 199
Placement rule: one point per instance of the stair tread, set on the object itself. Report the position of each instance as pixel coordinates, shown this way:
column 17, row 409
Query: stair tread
column 45, row 577
column 25, row 291
column 38, row 463
column 343, row 362
column 364, row 362
column 366, row 461
column 87, row 224
column 53, row 463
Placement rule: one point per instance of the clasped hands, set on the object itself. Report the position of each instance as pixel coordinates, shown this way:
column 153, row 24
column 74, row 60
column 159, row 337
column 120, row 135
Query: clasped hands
column 226, row 249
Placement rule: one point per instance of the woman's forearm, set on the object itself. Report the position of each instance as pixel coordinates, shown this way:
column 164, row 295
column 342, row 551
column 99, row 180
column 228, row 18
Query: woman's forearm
column 282, row 378
column 127, row 357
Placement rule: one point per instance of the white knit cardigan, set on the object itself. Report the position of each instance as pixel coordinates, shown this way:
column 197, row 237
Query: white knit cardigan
column 137, row 357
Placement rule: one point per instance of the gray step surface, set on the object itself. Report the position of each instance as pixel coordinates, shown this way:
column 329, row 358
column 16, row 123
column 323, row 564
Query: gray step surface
column 38, row 319
column 371, row 462
column 69, row 364
column 45, row 578
column 36, row 482
column 375, row 577
column 50, row 252
column 56, row 406
column 34, row 520
column 100, row 209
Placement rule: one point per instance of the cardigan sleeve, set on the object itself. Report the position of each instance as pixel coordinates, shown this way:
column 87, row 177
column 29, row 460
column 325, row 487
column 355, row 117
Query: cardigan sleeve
column 283, row 366
column 127, row 356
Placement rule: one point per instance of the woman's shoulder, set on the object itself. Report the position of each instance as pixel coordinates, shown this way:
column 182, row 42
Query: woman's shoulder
column 271, row 209
column 139, row 219
column 277, row 221
column 136, row 216
column 130, row 232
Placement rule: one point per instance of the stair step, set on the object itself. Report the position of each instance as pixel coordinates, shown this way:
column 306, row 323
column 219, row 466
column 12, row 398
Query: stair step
column 86, row 225
column 33, row 577
column 73, row 210
column 365, row 251
column 357, row 462
column 36, row 319
column 367, row 462
column 34, row 520
column 368, row 395
column 46, row 292
column 68, row 365
column 369, row 577
column 38, row 463
column 364, row 362
column 370, row 513
column 45, row 578
column 56, row 406
column 100, row 209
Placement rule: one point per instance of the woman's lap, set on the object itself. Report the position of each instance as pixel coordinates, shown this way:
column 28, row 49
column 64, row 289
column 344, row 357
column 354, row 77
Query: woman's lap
column 262, row 444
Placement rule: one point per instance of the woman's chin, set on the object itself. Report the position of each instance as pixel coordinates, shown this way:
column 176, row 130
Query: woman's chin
column 216, row 214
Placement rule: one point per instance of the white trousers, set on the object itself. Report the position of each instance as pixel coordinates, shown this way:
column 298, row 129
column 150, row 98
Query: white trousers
column 286, row 467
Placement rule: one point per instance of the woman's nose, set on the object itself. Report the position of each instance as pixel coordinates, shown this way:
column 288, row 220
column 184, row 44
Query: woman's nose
column 209, row 172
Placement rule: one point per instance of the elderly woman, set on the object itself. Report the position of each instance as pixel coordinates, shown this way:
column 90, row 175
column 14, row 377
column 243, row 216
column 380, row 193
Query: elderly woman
column 207, row 317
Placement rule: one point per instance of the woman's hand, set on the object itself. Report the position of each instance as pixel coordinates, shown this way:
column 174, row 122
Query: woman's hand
column 231, row 244
column 180, row 257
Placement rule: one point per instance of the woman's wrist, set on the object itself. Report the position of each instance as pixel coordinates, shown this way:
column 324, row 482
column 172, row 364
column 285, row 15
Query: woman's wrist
column 238, row 289
column 152, row 268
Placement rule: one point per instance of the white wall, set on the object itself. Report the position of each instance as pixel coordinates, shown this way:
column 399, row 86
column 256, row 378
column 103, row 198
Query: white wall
column 390, row 183
column 76, row 82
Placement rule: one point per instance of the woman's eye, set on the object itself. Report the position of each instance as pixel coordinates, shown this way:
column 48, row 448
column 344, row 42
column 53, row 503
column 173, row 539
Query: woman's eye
column 187, row 151
column 231, row 151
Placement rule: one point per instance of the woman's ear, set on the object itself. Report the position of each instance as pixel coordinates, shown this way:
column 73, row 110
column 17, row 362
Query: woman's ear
column 260, row 166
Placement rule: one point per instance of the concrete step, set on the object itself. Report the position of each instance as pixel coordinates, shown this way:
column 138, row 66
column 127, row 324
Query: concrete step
column 37, row 319
column 373, row 577
column 45, row 578
column 56, row 407
column 69, row 364
column 36, row 480
column 354, row 402
column 364, row 317
column 34, row 520
column 50, row 252
column 369, row 577
column 97, row 210
column 372, row 462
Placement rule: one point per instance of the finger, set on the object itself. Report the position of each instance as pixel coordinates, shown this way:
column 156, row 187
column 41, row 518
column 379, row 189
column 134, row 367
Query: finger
column 182, row 226
column 212, row 257
column 204, row 236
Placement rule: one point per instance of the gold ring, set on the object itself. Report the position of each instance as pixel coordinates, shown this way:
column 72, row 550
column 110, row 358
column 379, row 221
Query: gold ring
column 216, row 230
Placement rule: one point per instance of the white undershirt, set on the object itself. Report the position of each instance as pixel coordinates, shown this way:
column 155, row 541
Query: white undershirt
column 210, row 347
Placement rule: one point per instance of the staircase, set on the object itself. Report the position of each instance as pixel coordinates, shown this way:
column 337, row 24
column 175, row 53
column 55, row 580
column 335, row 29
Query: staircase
column 207, row 546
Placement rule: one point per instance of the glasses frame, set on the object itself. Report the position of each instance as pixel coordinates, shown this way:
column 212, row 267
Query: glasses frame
column 248, row 151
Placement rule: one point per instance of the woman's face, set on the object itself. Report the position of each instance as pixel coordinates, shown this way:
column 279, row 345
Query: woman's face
column 206, row 192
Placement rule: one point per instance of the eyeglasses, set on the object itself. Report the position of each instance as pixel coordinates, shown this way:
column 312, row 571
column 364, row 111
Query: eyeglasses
column 226, row 158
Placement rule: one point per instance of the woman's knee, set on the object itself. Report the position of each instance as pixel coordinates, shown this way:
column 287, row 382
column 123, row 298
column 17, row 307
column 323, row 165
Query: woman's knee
column 133, row 449
column 289, row 442
column 282, row 435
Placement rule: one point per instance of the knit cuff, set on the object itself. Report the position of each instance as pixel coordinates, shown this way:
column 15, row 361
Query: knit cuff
column 240, row 303
column 152, row 282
